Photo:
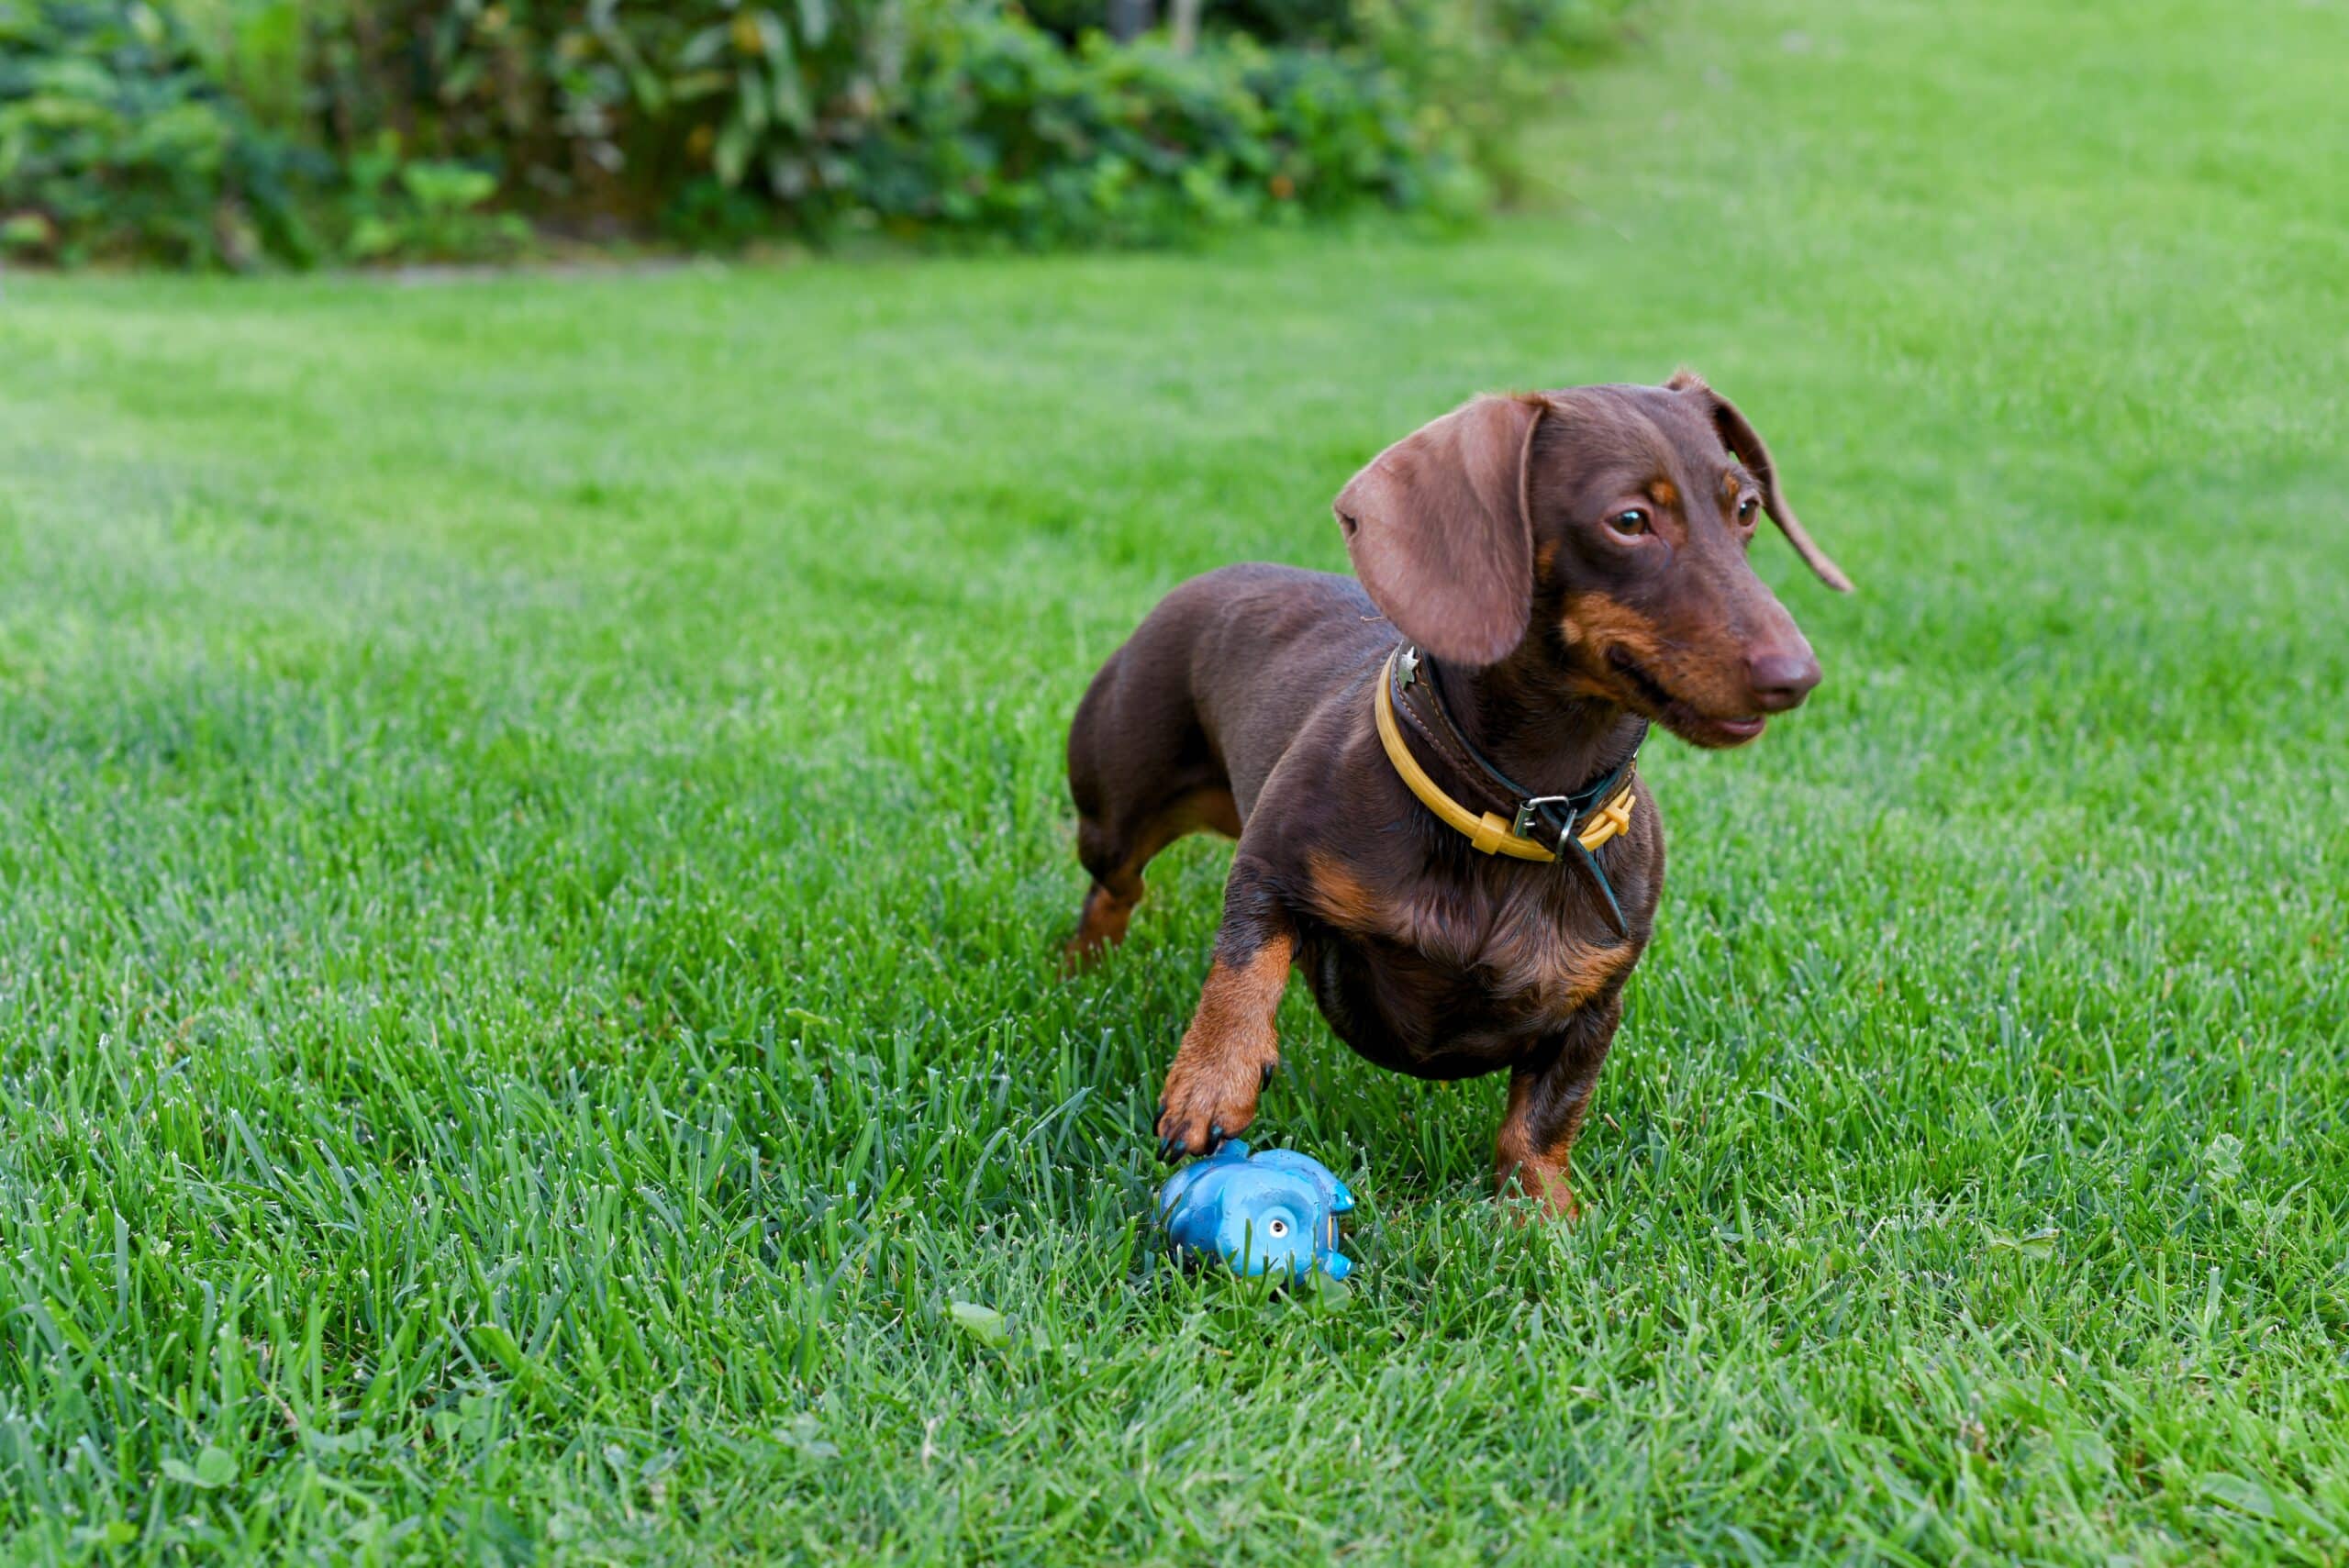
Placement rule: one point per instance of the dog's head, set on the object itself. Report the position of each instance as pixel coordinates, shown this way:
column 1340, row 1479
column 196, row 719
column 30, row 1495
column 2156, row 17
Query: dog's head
column 1610, row 522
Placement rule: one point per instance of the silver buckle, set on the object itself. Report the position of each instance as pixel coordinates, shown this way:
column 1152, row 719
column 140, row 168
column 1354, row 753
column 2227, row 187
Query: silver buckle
column 1525, row 812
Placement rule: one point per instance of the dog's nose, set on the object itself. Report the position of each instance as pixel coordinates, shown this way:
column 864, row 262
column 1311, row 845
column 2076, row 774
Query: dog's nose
column 1781, row 679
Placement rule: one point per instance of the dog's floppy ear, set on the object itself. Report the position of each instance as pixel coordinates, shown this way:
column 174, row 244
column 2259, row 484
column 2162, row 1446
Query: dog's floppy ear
column 1739, row 435
column 1439, row 532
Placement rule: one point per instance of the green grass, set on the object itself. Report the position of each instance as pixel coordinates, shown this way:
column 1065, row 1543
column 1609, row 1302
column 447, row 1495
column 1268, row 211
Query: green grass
column 533, row 840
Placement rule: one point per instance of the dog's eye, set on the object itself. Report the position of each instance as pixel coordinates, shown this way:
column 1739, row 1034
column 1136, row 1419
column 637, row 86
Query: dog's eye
column 1747, row 507
column 1630, row 520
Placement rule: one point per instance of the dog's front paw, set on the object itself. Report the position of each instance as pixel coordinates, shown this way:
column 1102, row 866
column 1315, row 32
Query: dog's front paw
column 1208, row 1099
column 1543, row 1182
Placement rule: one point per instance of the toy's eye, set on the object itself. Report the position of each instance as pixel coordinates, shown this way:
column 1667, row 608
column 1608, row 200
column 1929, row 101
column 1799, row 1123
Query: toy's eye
column 1277, row 1229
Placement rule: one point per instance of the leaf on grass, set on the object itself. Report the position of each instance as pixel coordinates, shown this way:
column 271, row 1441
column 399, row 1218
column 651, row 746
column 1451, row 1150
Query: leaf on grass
column 804, row 1437
column 2037, row 1244
column 501, row 1347
column 358, row 1439
column 2242, row 1496
column 2222, row 1159
column 1329, row 1294
column 2091, row 1455
column 213, row 1469
column 984, row 1324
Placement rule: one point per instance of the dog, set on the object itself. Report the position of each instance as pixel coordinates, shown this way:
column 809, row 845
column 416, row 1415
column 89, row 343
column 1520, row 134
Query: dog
column 1539, row 578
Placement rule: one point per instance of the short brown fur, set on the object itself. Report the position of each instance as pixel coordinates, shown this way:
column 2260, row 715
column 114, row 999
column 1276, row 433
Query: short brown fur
column 1338, row 895
column 1110, row 905
column 1520, row 1159
column 1516, row 542
column 1231, row 1050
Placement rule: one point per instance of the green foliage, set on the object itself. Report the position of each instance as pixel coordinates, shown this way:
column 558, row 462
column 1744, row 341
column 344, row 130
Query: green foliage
column 397, row 206
column 115, row 141
column 259, row 49
column 1487, row 67
column 118, row 139
column 1007, row 132
column 1285, row 21
column 918, row 119
column 601, row 106
column 217, row 130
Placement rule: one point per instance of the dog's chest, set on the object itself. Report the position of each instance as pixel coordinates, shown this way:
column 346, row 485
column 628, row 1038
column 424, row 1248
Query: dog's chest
column 1526, row 950
column 1514, row 955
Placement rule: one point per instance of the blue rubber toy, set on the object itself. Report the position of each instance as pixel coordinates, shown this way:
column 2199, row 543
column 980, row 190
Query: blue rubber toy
column 1271, row 1213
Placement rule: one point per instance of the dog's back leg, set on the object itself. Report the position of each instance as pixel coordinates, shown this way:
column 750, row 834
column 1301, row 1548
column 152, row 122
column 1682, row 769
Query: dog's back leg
column 1143, row 774
column 1116, row 852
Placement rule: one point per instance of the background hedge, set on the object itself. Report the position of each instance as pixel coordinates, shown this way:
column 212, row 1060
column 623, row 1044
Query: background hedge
column 228, row 132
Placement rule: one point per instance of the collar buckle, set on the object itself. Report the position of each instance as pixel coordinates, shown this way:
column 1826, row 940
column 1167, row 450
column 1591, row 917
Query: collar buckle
column 1529, row 812
column 1611, row 795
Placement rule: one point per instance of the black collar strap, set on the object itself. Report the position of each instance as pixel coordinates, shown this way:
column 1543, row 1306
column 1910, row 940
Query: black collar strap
column 1536, row 817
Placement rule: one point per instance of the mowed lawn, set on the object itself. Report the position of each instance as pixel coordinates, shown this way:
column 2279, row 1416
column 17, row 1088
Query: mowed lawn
column 533, row 838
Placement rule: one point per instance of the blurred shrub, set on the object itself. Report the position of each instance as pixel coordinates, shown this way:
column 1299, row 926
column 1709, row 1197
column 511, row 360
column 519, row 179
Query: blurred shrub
column 609, row 111
column 1487, row 66
column 391, row 206
column 1006, row 132
column 1326, row 22
column 210, row 131
column 715, row 121
column 115, row 141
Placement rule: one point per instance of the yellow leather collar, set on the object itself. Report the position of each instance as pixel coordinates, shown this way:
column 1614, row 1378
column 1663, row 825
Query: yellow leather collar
column 1489, row 833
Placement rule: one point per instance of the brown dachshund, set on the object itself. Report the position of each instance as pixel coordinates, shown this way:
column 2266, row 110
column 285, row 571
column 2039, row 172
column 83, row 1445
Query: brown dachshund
column 1540, row 577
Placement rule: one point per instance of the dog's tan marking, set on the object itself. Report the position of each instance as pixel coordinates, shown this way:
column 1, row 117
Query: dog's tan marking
column 1534, row 960
column 1108, row 907
column 1520, row 1163
column 1666, row 493
column 1610, row 623
column 1338, row 895
column 1100, row 923
column 1228, row 1050
column 1731, row 483
column 1606, row 623
column 1693, row 671
column 1517, row 939
column 1557, row 973
column 1545, row 558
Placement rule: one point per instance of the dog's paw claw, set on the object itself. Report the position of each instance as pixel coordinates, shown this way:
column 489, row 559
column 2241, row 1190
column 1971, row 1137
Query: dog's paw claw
column 1270, row 1068
column 1201, row 1111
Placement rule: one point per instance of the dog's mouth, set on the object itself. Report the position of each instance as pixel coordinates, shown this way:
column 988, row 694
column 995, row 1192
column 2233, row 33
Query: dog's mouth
column 1682, row 717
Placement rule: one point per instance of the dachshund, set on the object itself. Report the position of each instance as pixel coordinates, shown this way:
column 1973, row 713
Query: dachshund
column 1539, row 578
